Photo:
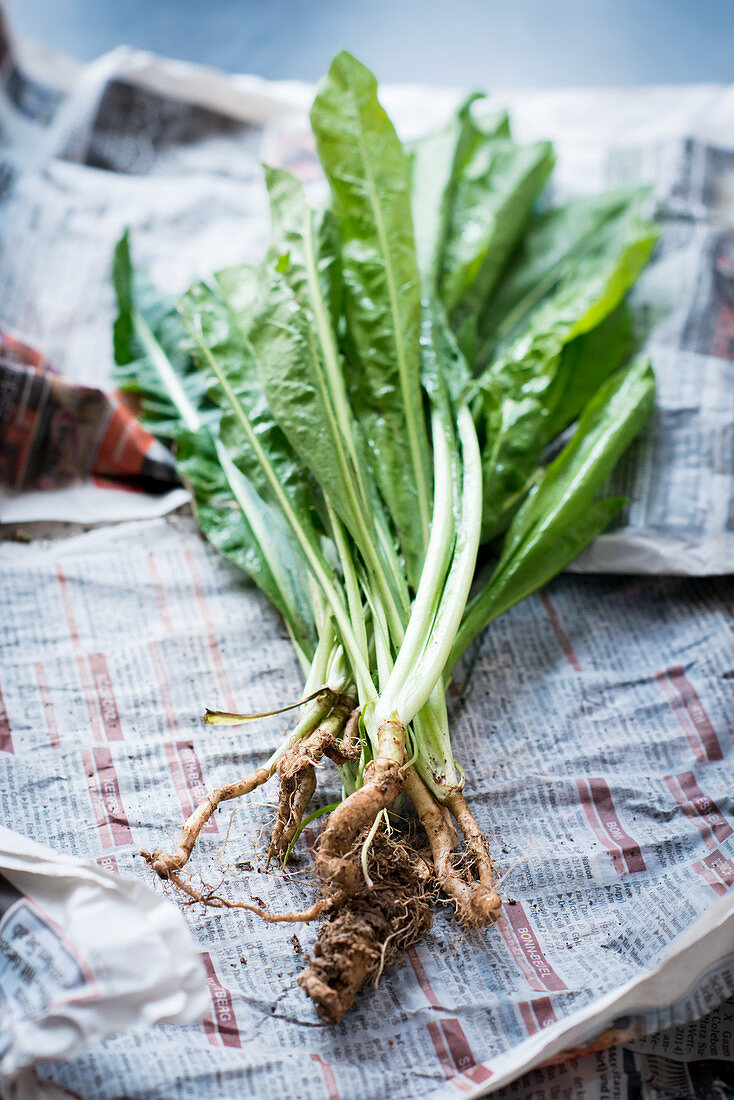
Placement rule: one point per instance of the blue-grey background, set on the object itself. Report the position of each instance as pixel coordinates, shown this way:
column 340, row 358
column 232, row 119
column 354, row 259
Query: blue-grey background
column 491, row 43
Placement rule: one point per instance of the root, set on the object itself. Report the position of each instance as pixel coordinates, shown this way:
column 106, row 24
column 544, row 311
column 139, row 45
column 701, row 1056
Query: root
column 477, row 902
column 371, row 929
column 472, row 835
column 211, row 898
column 297, row 772
column 296, row 791
column 383, row 781
column 350, row 738
column 167, row 864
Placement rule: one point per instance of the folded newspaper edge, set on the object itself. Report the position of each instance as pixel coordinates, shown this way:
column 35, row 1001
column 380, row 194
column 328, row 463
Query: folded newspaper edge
column 709, row 942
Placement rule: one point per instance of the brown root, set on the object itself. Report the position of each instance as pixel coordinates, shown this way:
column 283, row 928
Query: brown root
column 371, row 929
column 215, row 901
column 297, row 772
column 383, row 781
column 477, row 902
column 377, row 891
column 476, row 843
column 297, row 786
column 350, row 738
column 166, row 864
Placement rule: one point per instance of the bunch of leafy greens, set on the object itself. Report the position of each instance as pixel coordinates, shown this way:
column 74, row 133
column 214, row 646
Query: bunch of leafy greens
column 364, row 411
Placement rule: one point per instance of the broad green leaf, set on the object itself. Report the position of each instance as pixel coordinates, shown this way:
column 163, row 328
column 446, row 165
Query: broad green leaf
column 370, row 179
column 560, row 515
column 302, row 372
column 597, row 280
column 586, row 362
column 304, row 247
column 236, row 520
column 149, row 359
column 437, row 161
column 299, row 365
column 555, row 240
column 535, row 388
column 249, row 531
column 491, row 204
column 239, row 289
column 249, row 433
column 520, row 423
column 609, row 423
column 215, row 332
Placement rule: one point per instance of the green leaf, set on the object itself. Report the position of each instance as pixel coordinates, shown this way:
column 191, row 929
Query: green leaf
column 537, row 387
column 250, row 435
column 299, row 365
column 520, row 423
column 437, row 161
column 556, row 241
column 492, row 202
column 242, row 525
column 247, row 530
column 586, row 362
column 218, row 331
column 239, row 288
column 560, row 515
column 370, row 179
column 301, row 372
column 150, row 361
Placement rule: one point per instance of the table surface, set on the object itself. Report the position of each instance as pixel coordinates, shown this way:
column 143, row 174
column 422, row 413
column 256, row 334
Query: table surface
column 488, row 43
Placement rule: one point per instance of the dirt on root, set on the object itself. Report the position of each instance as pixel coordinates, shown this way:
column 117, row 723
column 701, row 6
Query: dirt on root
column 373, row 927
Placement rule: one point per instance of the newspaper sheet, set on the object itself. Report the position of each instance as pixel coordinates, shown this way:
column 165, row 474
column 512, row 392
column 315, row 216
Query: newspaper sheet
column 174, row 150
column 594, row 722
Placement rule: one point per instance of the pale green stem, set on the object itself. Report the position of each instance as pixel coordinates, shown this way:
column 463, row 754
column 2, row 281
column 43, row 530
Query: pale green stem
column 429, row 666
column 332, row 388
column 318, row 671
column 351, row 584
column 381, row 639
column 435, row 760
column 433, row 573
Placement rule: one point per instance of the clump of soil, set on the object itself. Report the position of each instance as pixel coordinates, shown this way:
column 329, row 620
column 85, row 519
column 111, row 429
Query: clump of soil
column 372, row 928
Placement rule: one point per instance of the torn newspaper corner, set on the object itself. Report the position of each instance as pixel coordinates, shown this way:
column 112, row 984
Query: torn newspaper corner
column 174, row 151
column 84, row 954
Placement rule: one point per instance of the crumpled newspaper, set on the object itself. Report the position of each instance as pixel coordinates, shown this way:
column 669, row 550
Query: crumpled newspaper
column 84, row 953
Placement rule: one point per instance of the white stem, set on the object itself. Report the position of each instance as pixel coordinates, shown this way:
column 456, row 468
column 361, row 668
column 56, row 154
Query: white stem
column 435, row 760
column 430, row 665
